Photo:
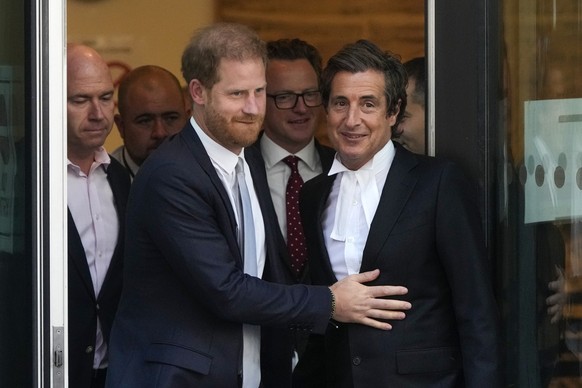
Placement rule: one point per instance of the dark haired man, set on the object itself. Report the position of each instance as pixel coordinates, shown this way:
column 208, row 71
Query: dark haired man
column 412, row 216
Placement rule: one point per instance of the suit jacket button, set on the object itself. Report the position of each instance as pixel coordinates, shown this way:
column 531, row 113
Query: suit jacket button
column 356, row 361
column 88, row 349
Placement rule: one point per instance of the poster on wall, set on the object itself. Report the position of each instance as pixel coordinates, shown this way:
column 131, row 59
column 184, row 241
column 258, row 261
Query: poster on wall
column 553, row 160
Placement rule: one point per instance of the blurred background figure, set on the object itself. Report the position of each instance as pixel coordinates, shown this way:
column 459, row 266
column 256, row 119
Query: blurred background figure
column 411, row 132
column 151, row 107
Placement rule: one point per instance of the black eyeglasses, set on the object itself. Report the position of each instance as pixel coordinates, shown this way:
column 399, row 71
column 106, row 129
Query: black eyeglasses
column 289, row 100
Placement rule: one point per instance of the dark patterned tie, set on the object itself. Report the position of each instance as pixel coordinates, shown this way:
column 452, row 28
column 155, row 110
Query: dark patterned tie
column 295, row 237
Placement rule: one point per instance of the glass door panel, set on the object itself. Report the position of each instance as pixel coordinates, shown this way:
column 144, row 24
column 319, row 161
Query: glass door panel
column 16, row 260
column 540, row 202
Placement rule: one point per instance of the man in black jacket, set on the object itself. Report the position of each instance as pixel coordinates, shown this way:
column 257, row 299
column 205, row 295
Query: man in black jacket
column 98, row 187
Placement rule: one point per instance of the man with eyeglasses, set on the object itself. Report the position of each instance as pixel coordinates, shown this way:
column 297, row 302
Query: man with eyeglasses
column 288, row 144
column 292, row 155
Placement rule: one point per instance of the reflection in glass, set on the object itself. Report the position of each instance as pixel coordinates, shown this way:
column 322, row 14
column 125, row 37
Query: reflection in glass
column 540, row 221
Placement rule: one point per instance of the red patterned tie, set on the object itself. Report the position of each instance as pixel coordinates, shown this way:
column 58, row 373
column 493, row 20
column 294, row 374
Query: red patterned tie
column 295, row 236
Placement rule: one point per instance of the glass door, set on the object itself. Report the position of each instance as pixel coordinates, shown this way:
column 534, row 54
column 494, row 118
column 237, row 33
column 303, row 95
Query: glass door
column 32, row 194
column 539, row 217
column 16, row 257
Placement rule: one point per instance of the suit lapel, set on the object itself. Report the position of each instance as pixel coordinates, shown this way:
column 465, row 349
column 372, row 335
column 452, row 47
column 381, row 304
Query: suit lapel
column 77, row 256
column 399, row 185
column 277, row 265
column 191, row 139
column 120, row 182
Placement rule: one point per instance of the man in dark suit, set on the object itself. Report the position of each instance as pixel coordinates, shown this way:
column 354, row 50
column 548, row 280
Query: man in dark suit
column 291, row 119
column 199, row 220
column 292, row 115
column 411, row 216
column 98, row 187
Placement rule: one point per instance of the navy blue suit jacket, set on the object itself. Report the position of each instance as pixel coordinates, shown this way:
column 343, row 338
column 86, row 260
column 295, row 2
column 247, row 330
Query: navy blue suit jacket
column 185, row 295
column 84, row 305
column 426, row 235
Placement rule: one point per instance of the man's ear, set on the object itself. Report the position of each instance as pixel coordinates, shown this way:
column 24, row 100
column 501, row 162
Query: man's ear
column 397, row 110
column 198, row 92
column 120, row 125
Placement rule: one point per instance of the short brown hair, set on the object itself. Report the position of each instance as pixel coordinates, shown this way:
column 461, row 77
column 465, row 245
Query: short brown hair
column 210, row 45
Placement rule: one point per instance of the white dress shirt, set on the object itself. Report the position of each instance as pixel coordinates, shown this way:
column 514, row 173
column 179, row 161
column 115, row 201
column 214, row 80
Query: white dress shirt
column 350, row 209
column 224, row 161
column 278, row 172
column 91, row 203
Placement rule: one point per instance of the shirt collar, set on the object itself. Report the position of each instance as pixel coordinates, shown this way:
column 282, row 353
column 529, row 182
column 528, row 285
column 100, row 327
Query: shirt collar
column 129, row 162
column 363, row 185
column 379, row 162
column 101, row 157
column 274, row 153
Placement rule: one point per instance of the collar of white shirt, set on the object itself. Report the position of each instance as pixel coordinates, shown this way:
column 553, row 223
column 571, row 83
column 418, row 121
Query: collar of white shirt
column 363, row 185
column 274, row 153
column 101, row 158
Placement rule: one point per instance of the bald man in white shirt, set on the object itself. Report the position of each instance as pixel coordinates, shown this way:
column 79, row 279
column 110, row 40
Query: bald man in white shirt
column 97, row 188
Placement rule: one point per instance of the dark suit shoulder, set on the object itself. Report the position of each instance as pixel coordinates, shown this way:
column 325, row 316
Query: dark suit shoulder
column 181, row 155
column 314, row 192
column 317, row 183
column 409, row 160
column 117, row 168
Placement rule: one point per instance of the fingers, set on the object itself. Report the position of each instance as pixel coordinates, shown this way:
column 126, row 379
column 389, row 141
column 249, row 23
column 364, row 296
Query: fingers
column 390, row 315
column 380, row 291
column 555, row 313
column 554, row 285
column 553, row 300
column 376, row 324
column 389, row 305
column 377, row 318
column 368, row 305
column 365, row 277
column 556, row 301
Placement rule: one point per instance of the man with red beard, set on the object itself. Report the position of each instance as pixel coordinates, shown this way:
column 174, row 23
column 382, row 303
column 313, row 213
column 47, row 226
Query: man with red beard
column 202, row 269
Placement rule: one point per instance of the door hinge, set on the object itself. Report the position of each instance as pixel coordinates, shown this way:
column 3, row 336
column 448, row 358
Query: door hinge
column 58, row 357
